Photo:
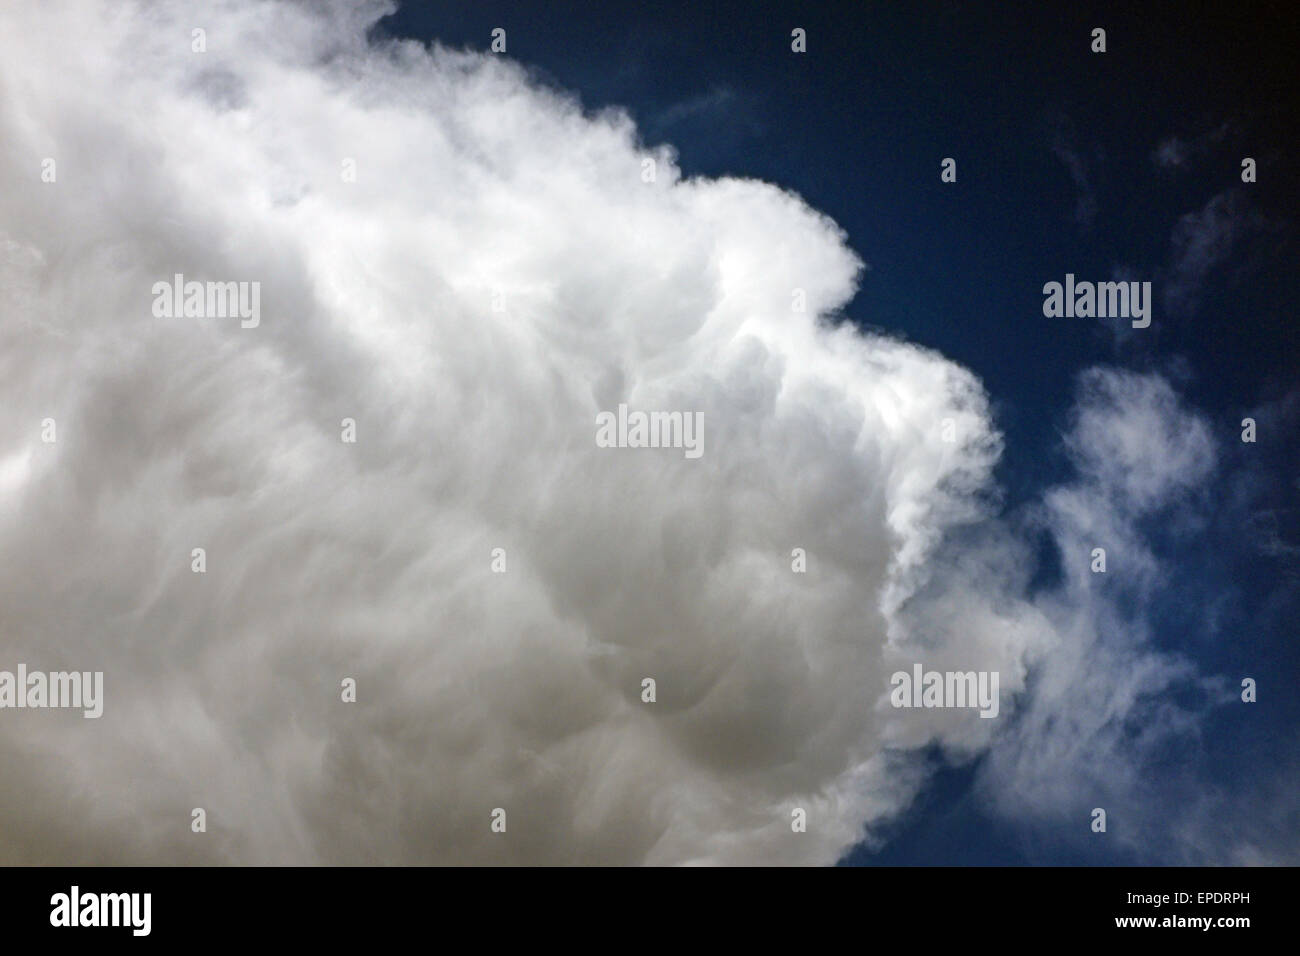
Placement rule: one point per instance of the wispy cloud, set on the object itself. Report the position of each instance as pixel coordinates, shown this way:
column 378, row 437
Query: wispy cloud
column 1170, row 153
column 1063, row 148
column 1175, row 152
column 1204, row 240
column 716, row 100
column 1100, row 703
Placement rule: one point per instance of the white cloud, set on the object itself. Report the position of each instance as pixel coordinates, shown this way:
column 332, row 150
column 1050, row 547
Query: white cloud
column 475, row 431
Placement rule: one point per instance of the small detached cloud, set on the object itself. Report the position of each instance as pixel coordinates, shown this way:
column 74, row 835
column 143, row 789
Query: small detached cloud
column 1203, row 241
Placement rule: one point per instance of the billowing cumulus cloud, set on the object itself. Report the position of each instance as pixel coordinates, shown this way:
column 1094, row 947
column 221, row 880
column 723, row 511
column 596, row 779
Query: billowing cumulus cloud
column 498, row 274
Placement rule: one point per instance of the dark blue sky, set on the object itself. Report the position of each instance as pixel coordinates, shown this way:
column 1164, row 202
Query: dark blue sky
column 1057, row 172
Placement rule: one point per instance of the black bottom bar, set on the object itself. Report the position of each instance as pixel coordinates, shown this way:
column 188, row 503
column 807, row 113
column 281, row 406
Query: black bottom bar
column 624, row 907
